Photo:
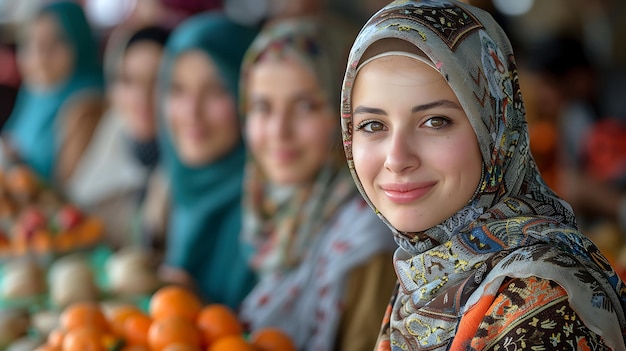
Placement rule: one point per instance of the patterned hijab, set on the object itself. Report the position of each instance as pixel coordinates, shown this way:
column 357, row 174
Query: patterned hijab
column 34, row 125
column 514, row 226
column 206, row 199
column 280, row 223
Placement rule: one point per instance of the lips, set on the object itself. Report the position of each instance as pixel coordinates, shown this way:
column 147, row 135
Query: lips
column 404, row 193
column 285, row 156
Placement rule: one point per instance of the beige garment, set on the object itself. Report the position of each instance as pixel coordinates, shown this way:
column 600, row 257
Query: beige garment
column 107, row 180
column 367, row 295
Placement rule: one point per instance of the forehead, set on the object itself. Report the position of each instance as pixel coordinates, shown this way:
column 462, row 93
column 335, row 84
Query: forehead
column 45, row 26
column 399, row 64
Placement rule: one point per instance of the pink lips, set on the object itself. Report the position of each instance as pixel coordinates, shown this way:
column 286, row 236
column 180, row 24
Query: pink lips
column 404, row 193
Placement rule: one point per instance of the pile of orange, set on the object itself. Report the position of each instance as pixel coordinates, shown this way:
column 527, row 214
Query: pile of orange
column 176, row 321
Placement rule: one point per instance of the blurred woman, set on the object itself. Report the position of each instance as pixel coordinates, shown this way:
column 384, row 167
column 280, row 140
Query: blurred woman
column 324, row 259
column 203, row 156
column 112, row 177
column 60, row 102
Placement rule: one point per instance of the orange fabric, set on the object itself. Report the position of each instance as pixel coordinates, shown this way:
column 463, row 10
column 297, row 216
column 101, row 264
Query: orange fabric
column 469, row 323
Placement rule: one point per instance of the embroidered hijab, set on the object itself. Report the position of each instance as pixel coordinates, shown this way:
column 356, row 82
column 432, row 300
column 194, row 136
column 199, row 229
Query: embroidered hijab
column 514, row 226
column 203, row 233
column 35, row 123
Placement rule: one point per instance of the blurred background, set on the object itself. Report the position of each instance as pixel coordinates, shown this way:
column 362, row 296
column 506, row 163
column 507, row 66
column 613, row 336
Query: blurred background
column 570, row 56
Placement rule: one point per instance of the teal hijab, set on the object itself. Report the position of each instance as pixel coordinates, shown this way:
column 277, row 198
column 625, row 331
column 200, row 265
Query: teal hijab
column 203, row 234
column 35, row 121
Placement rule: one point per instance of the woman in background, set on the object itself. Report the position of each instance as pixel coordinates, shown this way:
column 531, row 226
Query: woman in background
column 112, row 178
column 61, row 99
column 203, row 157
column 323, row 259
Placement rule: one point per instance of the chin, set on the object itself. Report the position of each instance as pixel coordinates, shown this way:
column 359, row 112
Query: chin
column 408, row 223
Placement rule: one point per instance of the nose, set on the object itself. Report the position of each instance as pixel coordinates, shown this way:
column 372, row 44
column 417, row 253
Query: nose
column 401, row 157
column 281, row 124
column 191, row 107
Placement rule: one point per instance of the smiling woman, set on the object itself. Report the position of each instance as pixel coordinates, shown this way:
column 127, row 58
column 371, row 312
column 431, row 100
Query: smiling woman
column 434, row 131
column 203, row 155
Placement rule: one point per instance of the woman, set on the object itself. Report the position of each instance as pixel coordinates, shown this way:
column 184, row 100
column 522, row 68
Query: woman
column 309, row 235
column 489, row 257
column 125, row 141
column 60, row 102
column 203, row 157
column 112, row 177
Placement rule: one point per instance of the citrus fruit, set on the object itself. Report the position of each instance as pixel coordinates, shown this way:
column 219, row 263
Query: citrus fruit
column 83, row 314
column 174, row 300
column 83, row 339
column 136, row 328
column 216, row 321
column 230, row 343
column 118, row 316
column 272, row 339
column 181, row 347
column 170, row 330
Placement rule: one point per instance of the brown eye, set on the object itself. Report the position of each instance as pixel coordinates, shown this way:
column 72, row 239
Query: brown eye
column 370, row 127
column 437, row 122
column 259, row 107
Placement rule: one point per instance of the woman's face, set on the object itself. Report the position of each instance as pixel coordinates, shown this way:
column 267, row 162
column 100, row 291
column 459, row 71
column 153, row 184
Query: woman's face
column 46, row 58
column 289, row 126
column 201, row 111
column 133, row 92
column 414, row 149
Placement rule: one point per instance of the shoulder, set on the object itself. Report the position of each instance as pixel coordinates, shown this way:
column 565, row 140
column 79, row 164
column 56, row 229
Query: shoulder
column 356, row 213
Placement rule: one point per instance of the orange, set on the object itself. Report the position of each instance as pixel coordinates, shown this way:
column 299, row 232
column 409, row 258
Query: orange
column 83, row 314
column 136, row 328
column 230, row 343
column 21, row 181
column 170, row 330
column 55, row 338
column 173, row 300
column 216, row 321
column 83, row 339
column 135, row 348
column 42, row 242
column 272, row 339
column 180, row 347
column 118, row 316
column 90, row 231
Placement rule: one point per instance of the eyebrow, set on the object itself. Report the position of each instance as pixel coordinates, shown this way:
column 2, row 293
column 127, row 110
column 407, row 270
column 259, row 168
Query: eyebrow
column 377, row 111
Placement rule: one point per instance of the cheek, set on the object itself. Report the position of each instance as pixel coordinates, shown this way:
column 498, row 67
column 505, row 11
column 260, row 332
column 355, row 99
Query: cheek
column 366, row 165
column 221, row 110
column 465, row 167
column 172, row 115
column 60, row 64
column 317, row 133
column 221, row 115
column 255, row 134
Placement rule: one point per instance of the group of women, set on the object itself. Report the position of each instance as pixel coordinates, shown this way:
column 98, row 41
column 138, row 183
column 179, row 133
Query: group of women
column 434, row 190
